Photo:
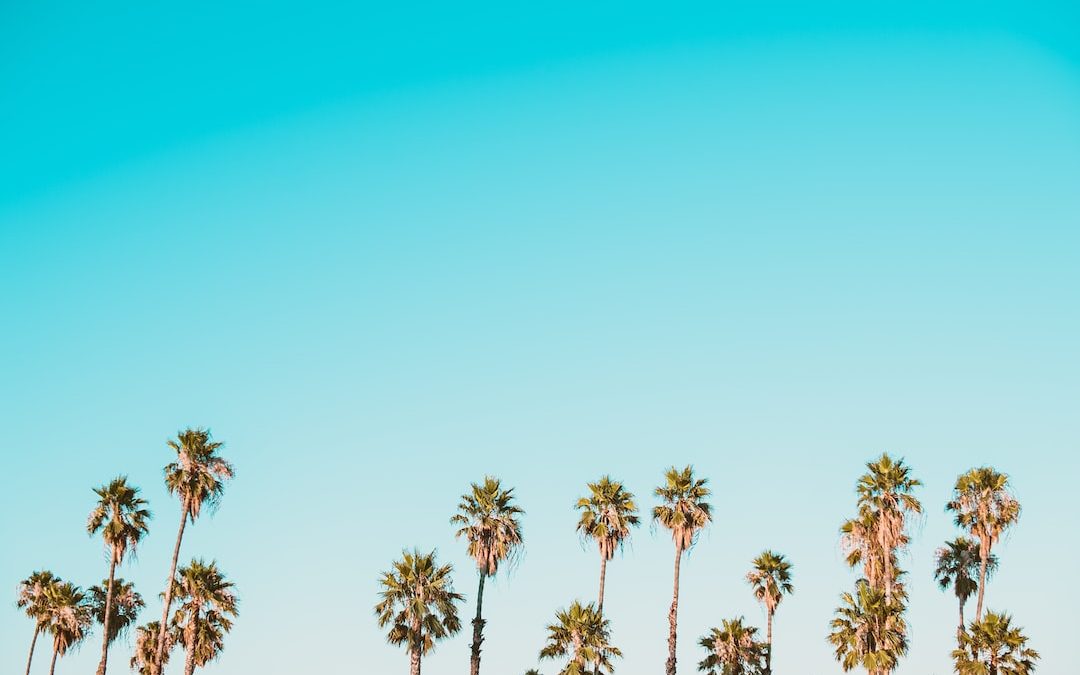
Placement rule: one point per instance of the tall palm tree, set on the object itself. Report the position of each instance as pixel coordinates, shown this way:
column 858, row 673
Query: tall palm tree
column 490, row 522
column 992, row 647
column 123, row 606
column 121, row 517
column 684, row 512
column 198, row 478
column 885, row 492
column 958, row 567
column 869, row 631
column 583, row 634
column 984, row 506
column 207, row 605
column 33, row 598
column 143, row 659
column 418, row 604
column 860, row 542
column 67, row 618
column 734, row 650
column 607, row 515
column 771, row 580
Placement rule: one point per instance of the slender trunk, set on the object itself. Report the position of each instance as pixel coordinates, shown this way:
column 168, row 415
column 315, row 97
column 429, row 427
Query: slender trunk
column 603, row 576
column 108, row 615
column 159, row 658
column 33, row 643
column 982, row 585
column 768, row 640
column 673, row 614
column 477, row 632
column 414, row 661
column 55, row 651
column 960, row 629
column 189, row 658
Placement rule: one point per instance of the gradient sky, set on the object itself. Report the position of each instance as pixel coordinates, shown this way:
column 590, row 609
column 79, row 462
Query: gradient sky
column 384, row 250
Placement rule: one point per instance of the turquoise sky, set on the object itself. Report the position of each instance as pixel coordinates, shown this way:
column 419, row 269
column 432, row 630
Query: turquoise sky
column 382, row 250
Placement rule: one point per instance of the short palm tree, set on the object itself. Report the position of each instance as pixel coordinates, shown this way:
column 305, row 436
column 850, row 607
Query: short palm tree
column 33, row 599
column 143, row 659
column 771, row 580
column 123, row 606
column 685, row 513
column 869, row 631
column 985, row 507
column 994, row 647
column 490, row 522
column 885, row 495
column 581, row 633
column 734, row 650
column 207, row 604
column 958, row 568
column 198, row 478
column 67, row 618
column 122, row 518
column 418, row 604
column 607, row 514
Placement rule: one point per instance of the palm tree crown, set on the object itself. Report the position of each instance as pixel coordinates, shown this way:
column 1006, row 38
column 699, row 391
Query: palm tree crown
column 684, row 510
column 885, row 499
column 126, row 603
column 607, row 515
column 33, row 598
column 198, row 475
column 489, row 521
column 770, row 579
column 121, row 517
column 869, row 630
column 67, row 616
column 958, row 568
column 734, row 650
column 581, row 633
column 992, row 646
column 146, row 637
column 207, row 605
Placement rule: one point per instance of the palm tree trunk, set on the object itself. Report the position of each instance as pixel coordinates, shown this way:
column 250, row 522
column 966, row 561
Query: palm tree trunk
column 159, row 658
column 477, row 631
column 55, row 651
column 768, row 640
column 414, row 660
column 108, row 615
column 673, row 614
column 982, row 585
column 603, row 576
column 189, row 658
column 33, row 643
column 960, row 628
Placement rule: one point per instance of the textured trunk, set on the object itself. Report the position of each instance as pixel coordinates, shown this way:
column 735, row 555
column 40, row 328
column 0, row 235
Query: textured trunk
column 960, row 628
column 414, row 661
column 189, row 658
column 768, row 640
column 108, row 615
column 982, row 585
column 477, row 631
column 673, row 615
column 159, row 658
column 888, row 576
column 33, row 643
column 603, row 576
column 55, row 651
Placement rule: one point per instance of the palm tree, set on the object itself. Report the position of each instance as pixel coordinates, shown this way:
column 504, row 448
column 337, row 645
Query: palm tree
column 489, row 522
column 992, row 647
column 869, row 630
column 985, row 507
column 207, row 605
column 418, row 604
column 885, row 493
column 771, row 580
column 684, row 512
column 121, row 518
column 958, row 567
column 67, row 618
column 143, row 660
column 123, row 606
column 607, row 515
column 582, row 633
column 734, row 650
column 33, row 598
column 198, row 477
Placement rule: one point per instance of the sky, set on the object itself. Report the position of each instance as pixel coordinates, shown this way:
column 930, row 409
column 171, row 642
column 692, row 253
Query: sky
column 382, row 251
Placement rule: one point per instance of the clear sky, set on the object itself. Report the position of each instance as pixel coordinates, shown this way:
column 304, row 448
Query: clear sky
column 384, row 250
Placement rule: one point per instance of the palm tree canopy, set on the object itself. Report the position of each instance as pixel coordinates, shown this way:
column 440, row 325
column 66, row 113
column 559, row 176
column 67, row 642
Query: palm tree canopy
column 770, row 579
column 142, row 661
column 581, row 633
column 869, row 630
column 984, row 505
column 733, row 650
column 33, row 594
column 120, row 515
column 684, row 510
column 994, row 645
column 490, row 522
column 126, row 604
column 958, row 567
column 198, row 475
column 67, row 615
column 418, row 601
column 207, row 605
column 607, row 514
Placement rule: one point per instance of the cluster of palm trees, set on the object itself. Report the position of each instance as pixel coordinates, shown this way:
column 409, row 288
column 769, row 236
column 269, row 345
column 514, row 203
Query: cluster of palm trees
column 418, row 604
column 205, row 601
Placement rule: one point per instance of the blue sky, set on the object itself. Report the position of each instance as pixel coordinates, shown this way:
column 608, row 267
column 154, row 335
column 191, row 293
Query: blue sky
column 383, row 251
